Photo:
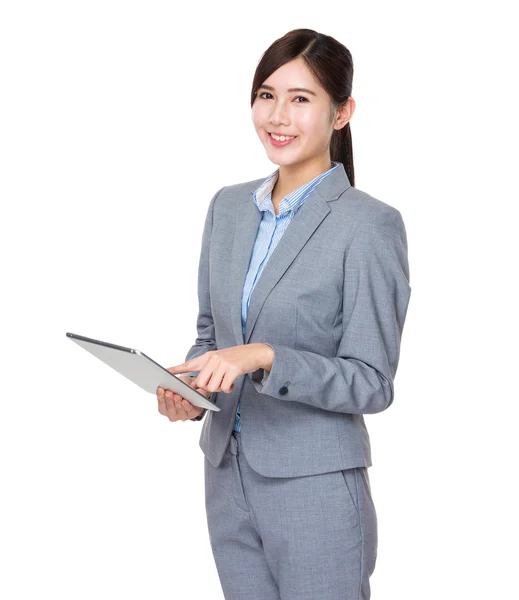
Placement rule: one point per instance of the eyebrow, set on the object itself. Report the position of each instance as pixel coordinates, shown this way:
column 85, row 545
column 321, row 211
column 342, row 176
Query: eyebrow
column 297, row 89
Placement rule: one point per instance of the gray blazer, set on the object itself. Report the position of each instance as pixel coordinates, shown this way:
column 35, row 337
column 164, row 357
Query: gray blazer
column 331, row 301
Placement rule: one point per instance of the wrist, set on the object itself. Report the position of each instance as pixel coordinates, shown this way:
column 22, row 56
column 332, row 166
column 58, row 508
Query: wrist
column 267, row 357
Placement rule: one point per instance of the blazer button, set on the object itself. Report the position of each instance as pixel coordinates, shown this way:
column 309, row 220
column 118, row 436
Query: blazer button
column 283, row 390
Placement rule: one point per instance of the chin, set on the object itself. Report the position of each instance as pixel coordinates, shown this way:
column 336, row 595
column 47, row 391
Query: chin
column 287, row 160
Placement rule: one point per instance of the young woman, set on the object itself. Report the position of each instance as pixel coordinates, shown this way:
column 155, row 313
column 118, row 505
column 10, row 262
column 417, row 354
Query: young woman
column 303, row 291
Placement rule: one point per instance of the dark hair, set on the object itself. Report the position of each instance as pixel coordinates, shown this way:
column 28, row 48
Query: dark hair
column 331, row 64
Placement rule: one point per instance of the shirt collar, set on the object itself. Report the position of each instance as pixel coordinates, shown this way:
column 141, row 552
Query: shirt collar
column 293, row 201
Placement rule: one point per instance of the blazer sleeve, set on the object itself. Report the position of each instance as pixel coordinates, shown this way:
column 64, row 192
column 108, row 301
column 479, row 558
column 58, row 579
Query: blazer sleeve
column 376, row 293
column 205, row 326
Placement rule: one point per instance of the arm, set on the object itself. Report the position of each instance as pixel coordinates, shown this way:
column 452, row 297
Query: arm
column 205, row 325
column 376, row 293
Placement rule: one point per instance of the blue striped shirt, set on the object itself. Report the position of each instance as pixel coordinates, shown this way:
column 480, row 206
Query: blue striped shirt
column 270, row 230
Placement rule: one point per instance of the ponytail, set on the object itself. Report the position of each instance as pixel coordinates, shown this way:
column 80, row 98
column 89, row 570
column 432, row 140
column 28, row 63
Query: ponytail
column 341, row 150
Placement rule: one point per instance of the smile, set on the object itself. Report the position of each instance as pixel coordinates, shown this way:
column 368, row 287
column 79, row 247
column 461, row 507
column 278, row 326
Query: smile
column 281, row 141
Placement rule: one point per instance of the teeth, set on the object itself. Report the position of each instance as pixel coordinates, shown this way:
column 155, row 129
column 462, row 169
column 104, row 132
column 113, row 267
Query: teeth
column 282, row 138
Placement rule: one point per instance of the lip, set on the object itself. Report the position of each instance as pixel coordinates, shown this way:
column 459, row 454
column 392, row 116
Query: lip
column 278, row 144
column 280, row 134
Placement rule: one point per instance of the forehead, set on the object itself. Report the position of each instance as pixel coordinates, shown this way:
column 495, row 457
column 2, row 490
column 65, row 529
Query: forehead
column 293, row 74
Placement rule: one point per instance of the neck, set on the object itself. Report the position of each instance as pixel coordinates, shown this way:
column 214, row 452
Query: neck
column 292, row 177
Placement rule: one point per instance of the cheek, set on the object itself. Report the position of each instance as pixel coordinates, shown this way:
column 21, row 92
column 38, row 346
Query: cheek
column 314, row 125
column 258, row 116
column 324, row 119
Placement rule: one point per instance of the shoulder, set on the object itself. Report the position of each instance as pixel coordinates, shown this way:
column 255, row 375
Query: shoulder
column 238, row 190
column 244, row 186
column 229, row 197
column 364, row 211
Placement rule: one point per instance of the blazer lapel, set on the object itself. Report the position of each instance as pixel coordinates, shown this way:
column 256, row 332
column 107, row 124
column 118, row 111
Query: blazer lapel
column 304, row 223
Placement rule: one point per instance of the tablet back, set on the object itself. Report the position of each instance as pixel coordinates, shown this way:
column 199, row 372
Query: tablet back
column 140, row 369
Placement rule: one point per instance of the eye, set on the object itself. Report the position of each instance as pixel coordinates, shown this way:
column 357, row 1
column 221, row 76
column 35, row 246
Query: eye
column 262, row 95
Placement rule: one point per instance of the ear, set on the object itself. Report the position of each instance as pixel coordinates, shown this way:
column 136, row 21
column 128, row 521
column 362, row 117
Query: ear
column 344, row 113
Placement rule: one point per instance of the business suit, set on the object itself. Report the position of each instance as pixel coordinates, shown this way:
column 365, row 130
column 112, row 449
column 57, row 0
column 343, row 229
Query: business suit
column 331, row 302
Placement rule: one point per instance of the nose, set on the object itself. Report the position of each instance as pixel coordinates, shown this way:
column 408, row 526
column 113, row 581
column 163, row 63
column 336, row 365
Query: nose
column 279, row 114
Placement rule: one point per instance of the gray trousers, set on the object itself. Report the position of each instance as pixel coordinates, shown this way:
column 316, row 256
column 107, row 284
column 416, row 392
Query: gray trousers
column 296, row 538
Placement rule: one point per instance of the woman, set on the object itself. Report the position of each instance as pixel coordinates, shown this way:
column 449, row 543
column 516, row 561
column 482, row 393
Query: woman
column 303, row 292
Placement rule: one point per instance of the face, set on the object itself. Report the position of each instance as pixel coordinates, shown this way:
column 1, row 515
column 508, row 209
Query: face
column 306, row 114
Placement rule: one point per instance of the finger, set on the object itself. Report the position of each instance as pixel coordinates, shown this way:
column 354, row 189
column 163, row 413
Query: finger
column 182, row 368
column 192, row 410
column 188, row 408
column 171, row 408
column 205, row 393
column 217, row 379
column 227, row 384
column 161, row 400
column 210, row 380
column 204, row 375
column 181, row 408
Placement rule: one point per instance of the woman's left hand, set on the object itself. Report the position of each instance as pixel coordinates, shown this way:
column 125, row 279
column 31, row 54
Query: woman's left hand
column 219, row 368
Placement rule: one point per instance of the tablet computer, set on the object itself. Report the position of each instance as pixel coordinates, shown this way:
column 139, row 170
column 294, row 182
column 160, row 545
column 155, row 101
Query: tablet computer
column 141, row 369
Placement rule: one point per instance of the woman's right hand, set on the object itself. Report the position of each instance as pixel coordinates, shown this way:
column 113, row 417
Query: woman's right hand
column 177, row 408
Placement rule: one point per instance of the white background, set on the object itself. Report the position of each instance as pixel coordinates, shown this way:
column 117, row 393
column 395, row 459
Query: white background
column 119, row 121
